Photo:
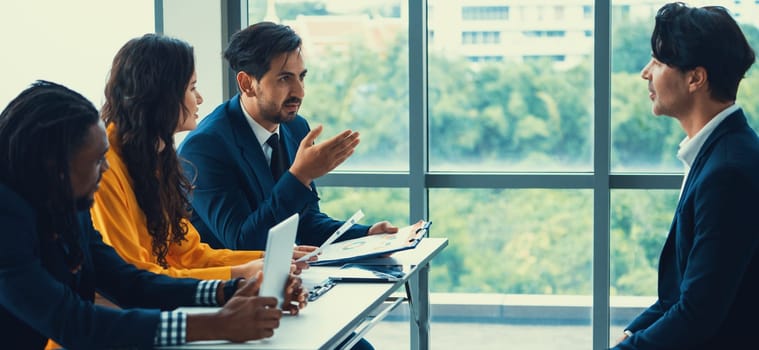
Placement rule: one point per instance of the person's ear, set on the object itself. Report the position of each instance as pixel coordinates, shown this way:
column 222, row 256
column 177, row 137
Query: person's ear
column 246, row 84
column 697, row 79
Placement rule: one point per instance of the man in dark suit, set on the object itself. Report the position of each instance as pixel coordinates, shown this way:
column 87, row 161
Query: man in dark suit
column 709, row 266
column 253, row 159
column 52, row 261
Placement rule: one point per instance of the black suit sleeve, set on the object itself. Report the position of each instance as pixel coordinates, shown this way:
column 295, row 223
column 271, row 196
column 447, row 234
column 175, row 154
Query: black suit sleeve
column 33, row 299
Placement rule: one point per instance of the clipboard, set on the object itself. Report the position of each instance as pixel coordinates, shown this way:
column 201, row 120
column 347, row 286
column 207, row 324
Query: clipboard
column 368, row 273
column 373, row 246
column 335, row 235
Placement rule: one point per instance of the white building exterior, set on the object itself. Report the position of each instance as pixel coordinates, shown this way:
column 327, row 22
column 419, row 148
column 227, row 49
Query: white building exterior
column 489, row 30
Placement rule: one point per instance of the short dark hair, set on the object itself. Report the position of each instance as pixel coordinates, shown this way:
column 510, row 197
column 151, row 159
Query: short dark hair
column 40, row 131
column 688, row 37
column 252, row 49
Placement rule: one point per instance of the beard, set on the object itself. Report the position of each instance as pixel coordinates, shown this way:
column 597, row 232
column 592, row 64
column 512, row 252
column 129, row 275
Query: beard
column 275, row 113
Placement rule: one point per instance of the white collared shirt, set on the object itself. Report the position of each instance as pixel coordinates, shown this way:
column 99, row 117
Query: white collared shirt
column 689, row 147
column 262, row 135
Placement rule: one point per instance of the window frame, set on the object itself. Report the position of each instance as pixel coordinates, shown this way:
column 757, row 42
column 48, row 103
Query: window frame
column 419, row 179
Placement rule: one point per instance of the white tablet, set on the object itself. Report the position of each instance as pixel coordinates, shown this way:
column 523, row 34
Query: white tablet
column 278, row 258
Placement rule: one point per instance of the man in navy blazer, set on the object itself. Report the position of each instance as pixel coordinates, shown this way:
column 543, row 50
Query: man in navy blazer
column 709, row 267
column 238, row 195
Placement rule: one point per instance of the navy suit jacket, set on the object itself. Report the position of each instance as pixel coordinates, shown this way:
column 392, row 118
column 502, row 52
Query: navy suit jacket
column 41, row 298
column 235, row 200
column 709, row 266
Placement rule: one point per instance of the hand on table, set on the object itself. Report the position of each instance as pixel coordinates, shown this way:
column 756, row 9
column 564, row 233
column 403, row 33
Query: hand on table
column 244, row 317
column 382, row 227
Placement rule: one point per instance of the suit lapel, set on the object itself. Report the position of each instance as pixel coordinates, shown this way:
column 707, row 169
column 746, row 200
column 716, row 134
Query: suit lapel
column 291, row 146
column 735, row 120
column 250, row 151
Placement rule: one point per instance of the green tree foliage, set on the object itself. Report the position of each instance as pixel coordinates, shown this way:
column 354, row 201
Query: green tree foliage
column 362, row 90
column 640, row 140
column 511, row 115
column 631, row 45
column 639, row 224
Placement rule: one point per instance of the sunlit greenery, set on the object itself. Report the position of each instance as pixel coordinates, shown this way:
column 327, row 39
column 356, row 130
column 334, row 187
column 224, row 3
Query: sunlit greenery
column 510, row 116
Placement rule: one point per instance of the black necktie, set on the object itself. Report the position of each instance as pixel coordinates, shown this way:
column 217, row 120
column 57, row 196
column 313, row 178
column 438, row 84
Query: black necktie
column 277, row 164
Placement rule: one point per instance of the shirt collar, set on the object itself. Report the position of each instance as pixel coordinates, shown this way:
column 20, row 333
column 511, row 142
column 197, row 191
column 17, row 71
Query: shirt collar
column 689, row 147
column 261, row 133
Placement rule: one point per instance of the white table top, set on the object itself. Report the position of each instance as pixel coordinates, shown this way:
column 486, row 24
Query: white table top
column 336, row 313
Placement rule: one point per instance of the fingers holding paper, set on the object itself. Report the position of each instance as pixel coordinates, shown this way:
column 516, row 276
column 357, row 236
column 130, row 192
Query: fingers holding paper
column 301, row 251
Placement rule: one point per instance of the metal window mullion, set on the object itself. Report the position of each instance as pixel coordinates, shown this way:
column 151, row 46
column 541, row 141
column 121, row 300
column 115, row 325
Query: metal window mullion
column 158, row 16
column 234, row 17
column 418, row 112
column 601, row 171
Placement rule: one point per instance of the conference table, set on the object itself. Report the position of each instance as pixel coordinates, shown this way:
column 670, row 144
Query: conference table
column 349, row 310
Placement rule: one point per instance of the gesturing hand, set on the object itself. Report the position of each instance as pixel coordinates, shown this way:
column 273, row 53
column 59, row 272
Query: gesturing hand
column 314, row 160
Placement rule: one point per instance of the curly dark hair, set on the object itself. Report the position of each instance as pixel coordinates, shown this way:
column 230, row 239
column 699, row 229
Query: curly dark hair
column 144, row 98
column 40, row 132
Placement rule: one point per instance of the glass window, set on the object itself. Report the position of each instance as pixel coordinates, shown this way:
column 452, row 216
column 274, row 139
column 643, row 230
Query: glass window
column 486, row 37
column 512, row 114
column 587, row 12
column 519, row 100
column 389, row 204
column 57, row 42
column 640, row 221
column 485, row 13
column 468, row 38
column 525, row 254
column 357, row 78
column 640, row 140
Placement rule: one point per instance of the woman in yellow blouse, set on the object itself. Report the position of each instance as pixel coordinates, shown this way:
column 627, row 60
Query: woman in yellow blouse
column 141, row 207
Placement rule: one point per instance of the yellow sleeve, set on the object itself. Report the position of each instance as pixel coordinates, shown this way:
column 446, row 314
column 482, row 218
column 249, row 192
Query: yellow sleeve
column 193, row 252
column 119, row 219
